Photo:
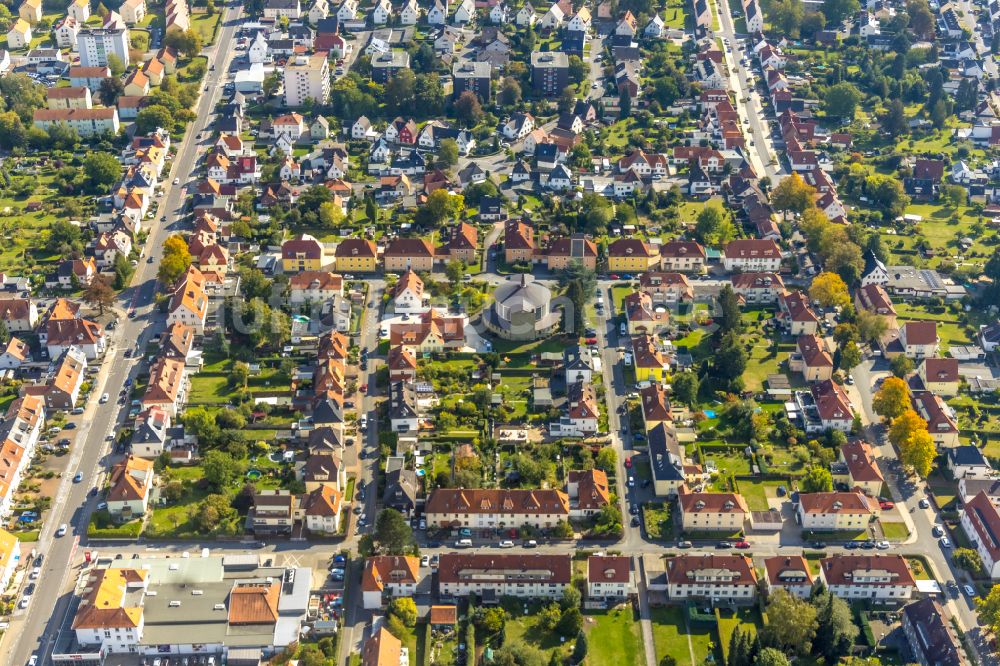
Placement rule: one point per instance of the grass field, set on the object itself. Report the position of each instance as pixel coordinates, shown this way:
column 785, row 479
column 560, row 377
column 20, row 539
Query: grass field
column 747, row 619
column 613, row 638
column 669, row 639
column 206, row 26
column 895, row 531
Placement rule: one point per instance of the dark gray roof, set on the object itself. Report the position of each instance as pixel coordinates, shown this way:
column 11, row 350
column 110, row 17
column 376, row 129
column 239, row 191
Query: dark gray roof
column 966, row 455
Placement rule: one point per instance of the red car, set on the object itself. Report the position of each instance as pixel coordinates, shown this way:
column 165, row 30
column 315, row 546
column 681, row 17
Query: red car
column 742, row 545
column 364, row 388
column 886, row 505
column 628, row 462
column 591, row 341
column 614, row 276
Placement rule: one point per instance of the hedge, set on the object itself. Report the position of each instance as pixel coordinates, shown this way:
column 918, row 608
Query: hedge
column 866, row 628
column 426, row 661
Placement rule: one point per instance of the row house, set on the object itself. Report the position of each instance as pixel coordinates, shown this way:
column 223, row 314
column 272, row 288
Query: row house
column 496, row 509
column 491, row 576
column 666, row 288
column 609, row 577
column 885, row 578
column 715, row 578
column 19, row 433
column 981, row 521
column 757, row 287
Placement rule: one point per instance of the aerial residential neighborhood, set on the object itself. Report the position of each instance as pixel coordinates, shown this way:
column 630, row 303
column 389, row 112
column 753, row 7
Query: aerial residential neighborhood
column 379, row 333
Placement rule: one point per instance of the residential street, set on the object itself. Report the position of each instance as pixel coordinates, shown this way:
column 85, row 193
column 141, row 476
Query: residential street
column 72, row 506
column 749, row 104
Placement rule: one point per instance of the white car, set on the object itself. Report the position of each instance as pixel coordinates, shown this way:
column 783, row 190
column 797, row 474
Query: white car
column 882, row 545
column 177, row 181
column 945, row 543
column 62, row 530
column 506, row 544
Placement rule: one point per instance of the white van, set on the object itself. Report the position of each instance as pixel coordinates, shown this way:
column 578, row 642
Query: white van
column 463, row 543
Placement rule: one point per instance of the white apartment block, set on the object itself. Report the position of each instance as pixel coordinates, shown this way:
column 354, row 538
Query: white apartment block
column 95, row 44
column 307, row 77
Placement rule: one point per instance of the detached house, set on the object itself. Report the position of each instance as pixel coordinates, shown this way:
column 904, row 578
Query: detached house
column 131, row 483
column 835, row 511
column 811, row 358
column 609, row 577
column 388, row 576
column 981, row 521
column 713, row 512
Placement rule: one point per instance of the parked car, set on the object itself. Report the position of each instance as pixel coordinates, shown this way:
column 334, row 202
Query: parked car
column 885, row 506
column 742, row 545
column 506, row 543
column 969, row 590
column 882, row 545
column 723, row 545
column 684, row 544
column 945, row 543
column 924, row 503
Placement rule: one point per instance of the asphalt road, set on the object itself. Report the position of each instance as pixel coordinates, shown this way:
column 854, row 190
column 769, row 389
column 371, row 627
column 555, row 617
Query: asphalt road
column 34, row 630
column 761, row 152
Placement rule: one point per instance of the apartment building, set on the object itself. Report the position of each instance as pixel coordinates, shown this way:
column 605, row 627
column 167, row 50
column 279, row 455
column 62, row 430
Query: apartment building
column 490, row 508
column 96, row 44
column 882, row 577
column 729, row 578
column 492, row 576
column 835, row 511
column 307, row 77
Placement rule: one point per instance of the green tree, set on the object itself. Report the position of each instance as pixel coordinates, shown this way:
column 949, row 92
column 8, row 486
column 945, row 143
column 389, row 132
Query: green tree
column 110, row 90
column 731, row 316
column 730, row 361
column 579, row 649
column 393, row 535
column 212, row 513
column 836, row 630
column 102, row 170
column 791, row 624
column 850, row 356
column 221, row 470
column 989, row 610
column 490, row 620
column 448, row 153
column 968, row 559
column 685, row 388
column 786, row 16
column 901, row 366
column 835, row 11
column 405, row 609
column 771, row 657
column 570, row 622
column 842, row 100
column 152, row 117
column 894, row 119
column 578, row 69
column 116, row 65
column 188, row 43
column 871, row 326
column 953, row 195
column 714, row 225
column 817, row 480
column 606, row 459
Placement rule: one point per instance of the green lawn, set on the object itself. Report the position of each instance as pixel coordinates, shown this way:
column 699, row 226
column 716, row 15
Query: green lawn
column 659, row 525
column 753, row 492
column 209, row 388
column 524, row 628
column 895, row 531
column 553, row 344
column 206, row 26
column 747, row 619
column 613, row 638
column 669, row 636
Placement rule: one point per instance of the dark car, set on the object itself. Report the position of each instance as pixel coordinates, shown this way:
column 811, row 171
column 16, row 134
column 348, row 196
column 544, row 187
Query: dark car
column 635, row 521
column 39, row 560
column 69, row 426
column 851, row 545
column 818, row 544
column 868, row 545
column 723, row 545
